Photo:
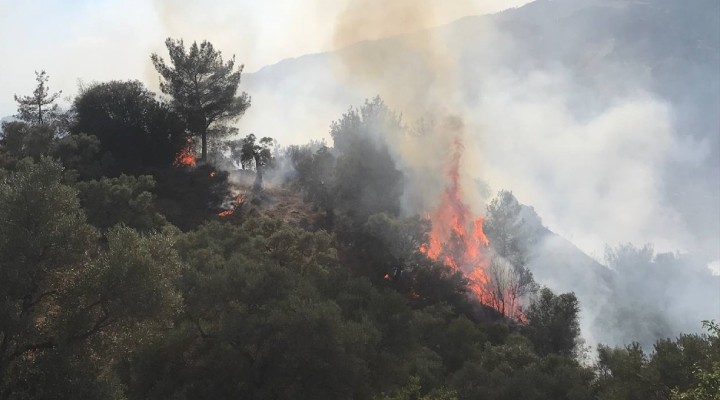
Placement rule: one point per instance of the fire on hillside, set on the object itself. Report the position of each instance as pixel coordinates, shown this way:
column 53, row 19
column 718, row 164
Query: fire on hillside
column 457, row 240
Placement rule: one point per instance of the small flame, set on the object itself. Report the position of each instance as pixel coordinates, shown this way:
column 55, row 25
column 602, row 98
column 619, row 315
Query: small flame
column 225, row 213
column 185, row 157
column 212, row 174
column 237, row 202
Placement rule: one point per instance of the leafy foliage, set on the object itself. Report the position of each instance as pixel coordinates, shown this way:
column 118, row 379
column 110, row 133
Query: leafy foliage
column 202, row 85
column 124, row 200
column 39, row 108
column 20, row 139
column 136, row 132
column 684, row 368
column 66, row 297
column 366, row 177
column 253, row 154
column 316, row 177
column 552, row 323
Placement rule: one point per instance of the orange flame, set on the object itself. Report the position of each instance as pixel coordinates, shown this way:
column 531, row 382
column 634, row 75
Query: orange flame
column 185, row 157
column 237, row 202
column 457, row 238
column 226, row 213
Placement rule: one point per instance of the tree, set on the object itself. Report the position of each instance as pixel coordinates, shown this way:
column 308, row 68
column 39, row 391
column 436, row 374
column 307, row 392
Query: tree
column 708, row 387
column 413, row 391
column 687, row 368
column 507, row 285
column 38, row 108
column 21, row 139
column 402, row 237
column 258, row 321
column 256, row 154
column 80, row 155
column 203, row 87
column 367, row 178
column 136, row 132
column 509, row 235
column 187, row 198
column 622, row 373
column 553, row 325
column 505, row 228
column 124, row 200
column 315, row 177
column 71, row 305
column 43, row 237
column 706, row 378
column 514, row 371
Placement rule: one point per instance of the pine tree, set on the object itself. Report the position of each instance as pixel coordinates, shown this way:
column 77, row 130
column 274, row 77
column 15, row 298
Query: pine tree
column 40, row 107
column 203, row 87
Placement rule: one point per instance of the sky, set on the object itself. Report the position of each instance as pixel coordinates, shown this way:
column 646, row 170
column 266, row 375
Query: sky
column 100, row 40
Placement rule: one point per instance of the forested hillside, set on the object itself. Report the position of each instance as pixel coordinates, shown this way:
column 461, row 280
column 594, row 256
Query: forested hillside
column 148, row 253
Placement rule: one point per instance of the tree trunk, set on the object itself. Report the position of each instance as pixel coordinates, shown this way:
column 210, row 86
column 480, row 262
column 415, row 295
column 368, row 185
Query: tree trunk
column 258, row 174
column 203, row 140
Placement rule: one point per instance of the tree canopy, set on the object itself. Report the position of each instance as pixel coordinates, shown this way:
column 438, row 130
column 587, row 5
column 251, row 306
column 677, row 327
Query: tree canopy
column 203, row 87
column 39, row 108
column 135, row 130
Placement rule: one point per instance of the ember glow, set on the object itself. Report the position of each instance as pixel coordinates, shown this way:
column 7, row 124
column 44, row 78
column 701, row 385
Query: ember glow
column 186, row 157
column 457, row 240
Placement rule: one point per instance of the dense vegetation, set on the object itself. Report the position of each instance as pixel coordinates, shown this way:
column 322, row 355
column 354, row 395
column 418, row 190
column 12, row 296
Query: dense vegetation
column 118, row 280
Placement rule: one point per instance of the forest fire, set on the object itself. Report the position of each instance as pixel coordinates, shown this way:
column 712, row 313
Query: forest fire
column 186, row 157
column 238, row 201
column 457, row 239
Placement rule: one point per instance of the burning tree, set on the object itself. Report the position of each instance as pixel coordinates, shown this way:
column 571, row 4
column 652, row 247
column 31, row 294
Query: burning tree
column 457, row 238
column 186, row 156
column 203, row 87
column 506, row 285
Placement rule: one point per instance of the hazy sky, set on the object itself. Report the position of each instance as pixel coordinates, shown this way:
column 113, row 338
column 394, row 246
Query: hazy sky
column 99, row 40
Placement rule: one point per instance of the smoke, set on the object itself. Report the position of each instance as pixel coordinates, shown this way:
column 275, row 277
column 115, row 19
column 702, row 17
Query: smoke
column 604, row 169
column 588, row 145
column 417, row 74
column 601, row 165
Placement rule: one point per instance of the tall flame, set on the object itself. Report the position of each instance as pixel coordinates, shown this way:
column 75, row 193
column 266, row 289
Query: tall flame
column 457, row 239
column 185, row 157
